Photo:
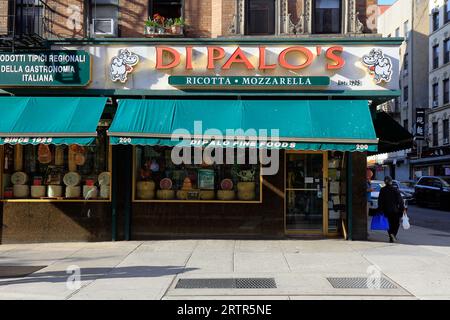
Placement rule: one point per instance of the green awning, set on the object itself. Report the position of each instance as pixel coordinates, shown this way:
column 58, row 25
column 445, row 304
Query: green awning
column 49, row 120
column 301, row 124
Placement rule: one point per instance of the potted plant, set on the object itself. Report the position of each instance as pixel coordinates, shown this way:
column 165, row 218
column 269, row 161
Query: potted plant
column 160, row 20
column 178, row 25
column 168, row 25
column 150, row 26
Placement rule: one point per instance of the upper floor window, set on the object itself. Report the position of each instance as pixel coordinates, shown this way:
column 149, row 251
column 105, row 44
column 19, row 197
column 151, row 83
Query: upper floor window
column 405, row 63
column 435, row 134
column 260, row 17
column 28, row 17
column 327, row 16
column 435, row 96
column 406, row 29
column 435, row 20
column 435, row 56
column 446, row 91
column 167, row 8
column 446, row 50
column 104, row 18
column 446, row 11
column 397, row 32
column 446, row 130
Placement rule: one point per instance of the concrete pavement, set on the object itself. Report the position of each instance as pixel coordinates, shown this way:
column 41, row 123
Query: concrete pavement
column 419, row 265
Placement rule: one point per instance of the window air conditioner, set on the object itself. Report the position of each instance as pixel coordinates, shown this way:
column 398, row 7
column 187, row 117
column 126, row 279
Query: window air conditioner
column 103, row 26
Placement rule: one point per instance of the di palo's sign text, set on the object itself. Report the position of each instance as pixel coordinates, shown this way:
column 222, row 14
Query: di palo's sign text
column 67, row 68
column 250, row 67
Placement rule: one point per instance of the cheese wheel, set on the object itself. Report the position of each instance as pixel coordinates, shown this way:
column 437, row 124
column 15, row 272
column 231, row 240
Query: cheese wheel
column 207, row 195
column 225, row 194
column 72, row 179
column 54, row 191
column 165, row 194
column 246, row 186
column 104, row 179
column 246, row 195
column 37, row 191
column 145, row 190
column 73, row 192
column 90, row 192
column 19, row 178
column 18, row 157
column 21, row 191
column 104, row 191
column 59, row 155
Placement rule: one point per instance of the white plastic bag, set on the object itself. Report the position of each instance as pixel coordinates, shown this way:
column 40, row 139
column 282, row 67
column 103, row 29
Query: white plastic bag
column 405, row 222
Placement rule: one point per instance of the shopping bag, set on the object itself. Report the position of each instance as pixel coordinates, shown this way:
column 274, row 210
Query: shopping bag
column 405, row 222
column 379, row 222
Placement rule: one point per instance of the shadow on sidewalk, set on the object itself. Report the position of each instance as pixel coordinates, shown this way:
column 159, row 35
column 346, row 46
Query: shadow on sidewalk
column 87, row 274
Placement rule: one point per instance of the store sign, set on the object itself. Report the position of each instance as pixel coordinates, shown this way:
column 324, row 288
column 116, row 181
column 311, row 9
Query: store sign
column 350, row 67
column 61, row 68
column 420, row 124
column 253, row 81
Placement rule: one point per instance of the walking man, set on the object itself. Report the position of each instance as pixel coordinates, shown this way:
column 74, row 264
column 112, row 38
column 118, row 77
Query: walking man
column 390, row 202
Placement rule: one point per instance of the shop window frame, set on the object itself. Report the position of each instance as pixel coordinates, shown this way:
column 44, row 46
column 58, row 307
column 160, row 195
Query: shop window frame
column 134, row 200
column 325, row 195
column 31, row 200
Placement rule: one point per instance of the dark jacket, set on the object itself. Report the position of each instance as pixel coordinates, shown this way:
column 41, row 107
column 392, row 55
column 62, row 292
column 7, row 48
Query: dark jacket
column 390, row 201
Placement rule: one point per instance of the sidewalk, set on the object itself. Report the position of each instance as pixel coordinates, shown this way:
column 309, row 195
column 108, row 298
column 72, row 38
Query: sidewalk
column 419, row 266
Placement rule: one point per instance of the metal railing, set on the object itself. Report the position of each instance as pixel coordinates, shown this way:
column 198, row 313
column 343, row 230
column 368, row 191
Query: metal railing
column 25, row 23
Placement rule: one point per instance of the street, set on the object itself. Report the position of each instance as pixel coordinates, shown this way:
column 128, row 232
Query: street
column 429, row 218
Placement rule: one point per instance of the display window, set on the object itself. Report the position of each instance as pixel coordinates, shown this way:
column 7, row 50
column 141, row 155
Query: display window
column 46, row 172
column 157, row 178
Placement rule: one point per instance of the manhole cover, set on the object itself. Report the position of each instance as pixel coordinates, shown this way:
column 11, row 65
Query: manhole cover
column 361, row 283
column 18, row 271
column 227, row 283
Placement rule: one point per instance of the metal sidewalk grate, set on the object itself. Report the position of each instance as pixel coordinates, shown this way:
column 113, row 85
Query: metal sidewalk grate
column 360, row 283
column 227, row 283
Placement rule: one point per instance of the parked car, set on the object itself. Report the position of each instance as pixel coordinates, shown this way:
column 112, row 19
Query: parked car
column 433, row 191
column 406, row 189
column 376, row 187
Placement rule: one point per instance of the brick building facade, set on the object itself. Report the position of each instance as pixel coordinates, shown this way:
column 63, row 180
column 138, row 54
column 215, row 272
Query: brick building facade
column 204, row 18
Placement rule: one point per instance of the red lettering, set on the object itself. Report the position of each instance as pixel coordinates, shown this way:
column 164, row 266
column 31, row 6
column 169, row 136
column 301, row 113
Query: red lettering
column 160, row 58
column 262, row 60
column 304, row 51
column 213, row 57
column 189, row 58
column 337, row 61
column 238, row 56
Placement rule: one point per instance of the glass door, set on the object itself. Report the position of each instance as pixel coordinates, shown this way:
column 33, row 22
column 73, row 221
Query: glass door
column 305, row 192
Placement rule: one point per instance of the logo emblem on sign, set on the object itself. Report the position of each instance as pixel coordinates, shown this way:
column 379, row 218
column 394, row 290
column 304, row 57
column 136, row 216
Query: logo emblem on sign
column 379, row 65
column 122, row 65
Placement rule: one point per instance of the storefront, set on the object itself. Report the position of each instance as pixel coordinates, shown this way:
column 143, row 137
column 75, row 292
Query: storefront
column 188, row 138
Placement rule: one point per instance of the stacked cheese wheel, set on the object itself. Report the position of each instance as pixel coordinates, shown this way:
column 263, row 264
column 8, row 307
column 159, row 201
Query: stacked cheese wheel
column 72, row 181
column 104, row 181
column 20, row 187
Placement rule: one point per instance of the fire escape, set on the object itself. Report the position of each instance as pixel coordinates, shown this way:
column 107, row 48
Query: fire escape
column 25, row 24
